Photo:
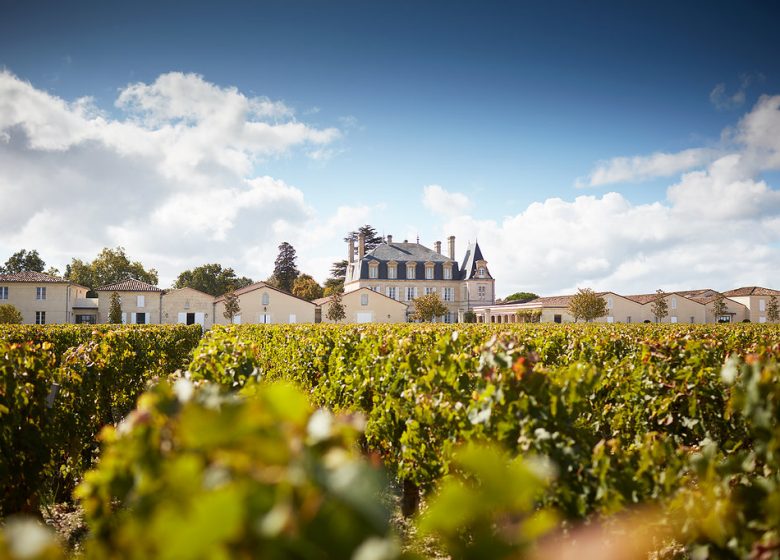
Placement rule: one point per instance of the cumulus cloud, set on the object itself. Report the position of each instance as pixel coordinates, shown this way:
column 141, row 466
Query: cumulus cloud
column 717, row 227
column 445, row 203
column 640, row 168
column 171, row 177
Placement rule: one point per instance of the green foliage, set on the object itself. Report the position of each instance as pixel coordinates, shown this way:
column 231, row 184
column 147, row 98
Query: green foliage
column 60, row 384
column 115, row 309
column 660, row 307
column 773, row 310
column 336, row 311
column 190, row 474
column 428, row 307
column 719, row 307
column 10, row 315
column 285, row 269
column 587, row 305
column 333, row 285
column 307, row 288
column 469, row 317
column 521, row 296
column 110, row 266
column 529, row 315
column 232, row 305
column 23, row 261
column 211, row 279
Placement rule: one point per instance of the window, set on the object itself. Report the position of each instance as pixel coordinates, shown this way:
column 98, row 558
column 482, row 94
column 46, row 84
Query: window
column 610, row 303
column 392, row 272
column 610, row 319
column 187, row 306
column 628, row 319
column 373, row 270
column 3, row 292
column 140, row 318
column 391, row 292
column 693, row 319
column 140, row 300
column 429, row 273
column 762, row 319
column 673, row 303
column 673, row 319
column 377, row 289
column 482, row 272
column 429, row 291
column 762, row 305
column 40, row 293
column 448, row 318
column 266, row 298
column 557, row 318
column 481, row 292
column 363, row 299
column 292, row 318
column 411, row 293
column 448, row 273
column 86, row 319
column 448, row 296
column 40, row 317
column 411, row 271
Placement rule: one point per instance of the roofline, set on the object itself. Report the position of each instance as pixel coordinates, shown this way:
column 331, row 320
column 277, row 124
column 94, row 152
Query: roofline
column 330, row 297
column 259, row 285
column 169, row 290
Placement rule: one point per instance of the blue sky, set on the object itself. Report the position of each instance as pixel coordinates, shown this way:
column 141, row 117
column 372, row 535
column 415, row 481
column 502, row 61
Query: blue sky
column 503, row 105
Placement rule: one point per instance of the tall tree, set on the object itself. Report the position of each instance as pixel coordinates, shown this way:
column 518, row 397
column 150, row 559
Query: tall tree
column 307, row 288
column 111, row 265
column 773, row 310
column 372, row 238
column 211, row 279
column 587, row 305
column 24, row 261
column 333, row 285
column 428, row 307
column 10, row 314
column 336, row 311
column 285, row 269
column 232, row 307
column 115, row 309
column 338, row 271
column 660, row 307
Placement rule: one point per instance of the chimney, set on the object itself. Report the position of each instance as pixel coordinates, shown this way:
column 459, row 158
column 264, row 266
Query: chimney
column 389, row 239
column 361, row 246
column 437, row 246
column 351, row 251
column 451, row 240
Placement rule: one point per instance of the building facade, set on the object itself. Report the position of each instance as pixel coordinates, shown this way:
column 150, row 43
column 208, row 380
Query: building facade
column 364, row 306
column 41, row 298
column 264, row 304
column 141, row 303
column 405, row 271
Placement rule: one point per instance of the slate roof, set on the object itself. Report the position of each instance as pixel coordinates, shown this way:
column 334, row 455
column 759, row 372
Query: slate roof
column 129, row 285
column 752, row 291
column 469, row 267
column 402, row 253
column 405, row 252
column 29, row 276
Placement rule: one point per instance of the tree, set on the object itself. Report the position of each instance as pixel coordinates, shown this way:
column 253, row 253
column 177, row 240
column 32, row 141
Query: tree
column 660, row 307
column 469, row 317
column 336, row 311
column 587, row 305
column 10, row 315
column 428, row 307
column 285, row 270
column 211, row 279
column 773, row 310
column 232, row 307
column 521, row 296
column 110, row 266
column 24, row 261
column 307, row 288
column 529, row 315
column 719, row 307
column 333, row 285
column 370, row 237
column 115, row 309
column 339, row 269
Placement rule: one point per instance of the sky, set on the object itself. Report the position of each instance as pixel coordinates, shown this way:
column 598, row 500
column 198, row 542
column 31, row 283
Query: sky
column 624, row 146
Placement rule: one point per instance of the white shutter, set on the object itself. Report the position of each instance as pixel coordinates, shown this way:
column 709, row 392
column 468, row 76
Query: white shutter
column 387, row 291
column 124, row 318
column 365, row 317
column 141, row 301
column 415, row 291
column 237, row 320
column 200, row 318
column 182, row 318
column 292, row 318
column 132, row 318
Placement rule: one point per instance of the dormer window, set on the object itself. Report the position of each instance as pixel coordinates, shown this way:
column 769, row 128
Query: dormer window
column 448, row 271
column 373, row 269
column 392, row 271
column 429, row 270
column 411, row 270
column 482, row 272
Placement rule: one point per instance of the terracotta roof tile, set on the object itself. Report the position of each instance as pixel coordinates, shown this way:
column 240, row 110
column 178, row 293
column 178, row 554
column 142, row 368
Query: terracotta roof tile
column 752, row 291
column 28, row 276
column 129, row 285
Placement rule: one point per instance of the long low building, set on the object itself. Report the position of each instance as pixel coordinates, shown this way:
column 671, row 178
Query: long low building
column 689, row 306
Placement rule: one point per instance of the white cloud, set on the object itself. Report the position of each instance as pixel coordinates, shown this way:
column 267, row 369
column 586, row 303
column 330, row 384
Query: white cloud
column 640, row 168
column 171, row 178
column 721, row 99
column 445, row 203
column 718, row 227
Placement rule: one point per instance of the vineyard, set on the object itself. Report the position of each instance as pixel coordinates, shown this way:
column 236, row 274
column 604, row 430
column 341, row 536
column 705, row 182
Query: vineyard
column 485, row 441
